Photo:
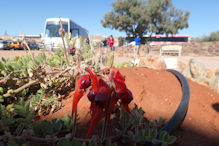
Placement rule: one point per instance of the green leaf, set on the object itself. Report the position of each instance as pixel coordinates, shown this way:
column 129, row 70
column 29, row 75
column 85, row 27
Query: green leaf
column 151, row 124
column 92, row 143
column 164, row 144
column 155, row 141
column 147, row 132
column 27, row 106
column 2, row 66
column 30, row 116
column 114, row 144
column 171, row 139
column 141, row 135
column 76, row 142
column 163, row 135
column 1, row 90
column 57, row 124
column 22, row 102
column 24, row 92
column 26, row 144
column 161, row 121
column 19, row 129
column 11, row 143
column 130, row 133
column 108, row 142
column 1, row 99
column 4, row 60
column 64, row 142
column 43, row 128
column 20, row 110
column 31, row 65
column 8, row 121
column 153, row 133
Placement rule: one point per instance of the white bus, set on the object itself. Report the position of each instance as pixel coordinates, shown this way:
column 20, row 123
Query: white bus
column 52, row 36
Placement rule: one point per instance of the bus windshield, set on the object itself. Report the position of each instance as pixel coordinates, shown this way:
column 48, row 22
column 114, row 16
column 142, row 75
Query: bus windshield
column 52, row 29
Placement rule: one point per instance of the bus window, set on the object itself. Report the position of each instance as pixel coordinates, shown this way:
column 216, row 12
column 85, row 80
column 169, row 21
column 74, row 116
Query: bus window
column 52, row 29
column 75, row 33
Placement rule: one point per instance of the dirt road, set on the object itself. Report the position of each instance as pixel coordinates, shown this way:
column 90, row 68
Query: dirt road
column 211, row 63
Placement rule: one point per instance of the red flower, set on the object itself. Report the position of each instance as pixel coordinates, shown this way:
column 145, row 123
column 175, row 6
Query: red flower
column 99, row 96
column 124, row 94
column 83, row 83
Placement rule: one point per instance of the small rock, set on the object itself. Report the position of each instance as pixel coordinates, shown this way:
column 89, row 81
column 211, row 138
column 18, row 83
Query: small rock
column 197, row 68
column 217, row 72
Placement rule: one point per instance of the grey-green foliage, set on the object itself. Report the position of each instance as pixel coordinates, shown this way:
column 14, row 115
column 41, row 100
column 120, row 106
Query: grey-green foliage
column 124, row 64
column 17, row 121
column 214, row 36
column 140, row 131
column 57, row 59
column 139, row 17
column 35, row 98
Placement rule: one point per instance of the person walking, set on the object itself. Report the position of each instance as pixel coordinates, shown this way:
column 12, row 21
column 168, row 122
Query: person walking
column 111, row 43
column 137, row 44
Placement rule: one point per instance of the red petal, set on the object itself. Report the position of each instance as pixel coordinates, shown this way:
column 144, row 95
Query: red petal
column 77, row 96
column 83, row 81
column 94, row 80
column 119, row 76
column 102, row 83
column 96, row 114
column 111, row 107
column 126, row 107
column 120, row 86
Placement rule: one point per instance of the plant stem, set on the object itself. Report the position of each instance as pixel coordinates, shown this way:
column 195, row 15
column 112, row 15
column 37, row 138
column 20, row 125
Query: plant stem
column 74, row 124
column 65, row 49
column 21, row 88
column 103, row 135
column 124, row 120
column 29, row 51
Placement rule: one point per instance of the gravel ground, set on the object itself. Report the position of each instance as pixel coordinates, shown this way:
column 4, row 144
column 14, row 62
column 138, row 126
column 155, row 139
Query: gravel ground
column 211, row 63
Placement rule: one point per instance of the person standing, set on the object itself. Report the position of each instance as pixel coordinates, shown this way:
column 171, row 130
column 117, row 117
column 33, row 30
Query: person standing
column 105, row 44
column 137, row 44
column 111, row 43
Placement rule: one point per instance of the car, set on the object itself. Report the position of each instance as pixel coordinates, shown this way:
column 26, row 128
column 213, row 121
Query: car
column 33, row 46
column 3, row 45
column 16, row 45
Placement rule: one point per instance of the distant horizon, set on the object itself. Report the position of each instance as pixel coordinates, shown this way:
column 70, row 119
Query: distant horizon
column 29, row 16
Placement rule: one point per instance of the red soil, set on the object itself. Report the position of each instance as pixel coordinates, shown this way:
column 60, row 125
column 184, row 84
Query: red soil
column 159, row 93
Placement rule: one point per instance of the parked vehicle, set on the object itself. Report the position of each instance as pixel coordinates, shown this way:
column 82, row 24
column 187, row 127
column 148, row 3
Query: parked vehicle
column 16, row 45
column 33, row 46
column 3, row 45
column 52, row 35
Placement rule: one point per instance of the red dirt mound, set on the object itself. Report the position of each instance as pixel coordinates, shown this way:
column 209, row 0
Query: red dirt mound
column 159, row 93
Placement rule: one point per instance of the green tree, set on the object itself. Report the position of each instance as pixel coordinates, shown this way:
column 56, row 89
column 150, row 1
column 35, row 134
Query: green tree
column 140, row 17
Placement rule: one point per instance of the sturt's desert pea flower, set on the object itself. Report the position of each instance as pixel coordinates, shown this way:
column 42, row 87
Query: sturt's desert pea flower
column 103, row 97
column 83, row 83
column 123, row 93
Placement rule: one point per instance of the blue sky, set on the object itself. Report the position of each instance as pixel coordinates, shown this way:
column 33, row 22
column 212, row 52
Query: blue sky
column 29, row 16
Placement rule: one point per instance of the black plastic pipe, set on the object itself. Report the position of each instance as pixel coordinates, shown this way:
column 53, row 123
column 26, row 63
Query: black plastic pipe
column 181, row 111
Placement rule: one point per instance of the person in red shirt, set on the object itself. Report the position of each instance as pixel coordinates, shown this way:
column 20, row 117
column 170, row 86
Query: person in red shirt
column 111, row 43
